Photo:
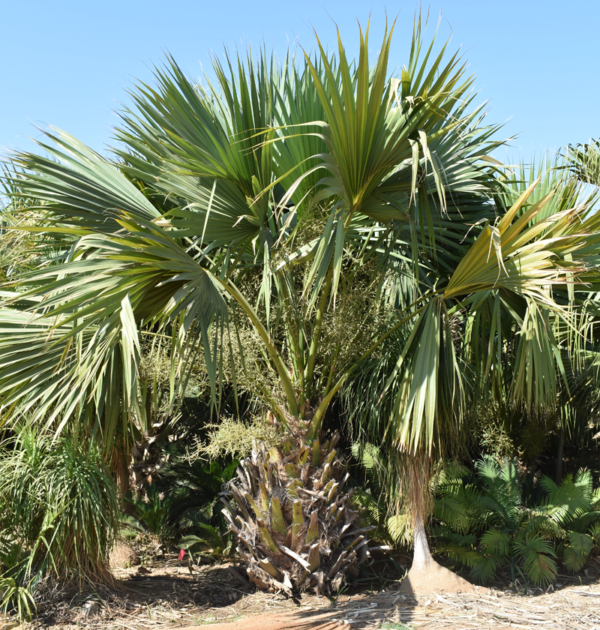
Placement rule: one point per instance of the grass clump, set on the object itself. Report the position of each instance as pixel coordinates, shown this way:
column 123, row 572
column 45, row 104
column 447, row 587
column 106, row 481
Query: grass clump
column 59, row 514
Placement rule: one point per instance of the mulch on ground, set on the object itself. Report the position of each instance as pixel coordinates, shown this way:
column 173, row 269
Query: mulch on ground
column 167, row 595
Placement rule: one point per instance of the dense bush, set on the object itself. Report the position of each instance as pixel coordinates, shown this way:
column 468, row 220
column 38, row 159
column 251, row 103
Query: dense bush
column 182, row 505
column 58, row 513
column 495, row 521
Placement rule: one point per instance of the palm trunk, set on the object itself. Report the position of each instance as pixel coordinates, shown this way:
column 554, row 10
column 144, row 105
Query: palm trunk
column 425, row 575
column 294, row 524
column 122, row 473
column 422, row 557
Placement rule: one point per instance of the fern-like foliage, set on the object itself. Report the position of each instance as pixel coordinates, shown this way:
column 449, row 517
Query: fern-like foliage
column 487, row 523
column 537, row 555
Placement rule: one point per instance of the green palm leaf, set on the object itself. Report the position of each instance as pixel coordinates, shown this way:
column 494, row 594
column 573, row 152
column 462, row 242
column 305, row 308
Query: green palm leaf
column 537, row 555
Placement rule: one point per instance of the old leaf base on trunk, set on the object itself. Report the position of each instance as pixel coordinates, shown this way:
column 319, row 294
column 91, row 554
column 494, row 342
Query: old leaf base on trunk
column 293, row 524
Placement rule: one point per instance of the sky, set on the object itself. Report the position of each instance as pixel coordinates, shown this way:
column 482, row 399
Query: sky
column 71, row 64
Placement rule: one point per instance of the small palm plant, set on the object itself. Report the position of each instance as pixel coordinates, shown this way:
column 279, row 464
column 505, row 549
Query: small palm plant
column 488, row 526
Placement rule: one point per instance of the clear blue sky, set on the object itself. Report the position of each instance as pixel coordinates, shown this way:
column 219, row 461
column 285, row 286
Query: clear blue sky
column 70, row 63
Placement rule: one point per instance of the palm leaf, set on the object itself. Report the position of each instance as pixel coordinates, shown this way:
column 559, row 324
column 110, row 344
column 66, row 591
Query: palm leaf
column 537, row 556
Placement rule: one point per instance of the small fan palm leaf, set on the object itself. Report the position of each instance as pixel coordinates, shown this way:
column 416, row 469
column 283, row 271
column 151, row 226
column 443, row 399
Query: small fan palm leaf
column 584, row 162
column 538, row 559
column 486, row 567
column 576, row 553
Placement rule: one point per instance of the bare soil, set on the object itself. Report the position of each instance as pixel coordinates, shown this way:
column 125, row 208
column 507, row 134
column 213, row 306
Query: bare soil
column 167, row 595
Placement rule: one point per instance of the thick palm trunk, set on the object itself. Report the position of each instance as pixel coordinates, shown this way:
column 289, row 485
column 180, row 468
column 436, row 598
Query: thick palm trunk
column 422, row 557
column 292, row 518
column 426, row 575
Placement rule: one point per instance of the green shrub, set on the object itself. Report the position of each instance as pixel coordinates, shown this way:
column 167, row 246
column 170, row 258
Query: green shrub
column 58, row 513
column 191, row 488
column 493, row 523
column 182, row 506
column 153, row 514
column 215, row 541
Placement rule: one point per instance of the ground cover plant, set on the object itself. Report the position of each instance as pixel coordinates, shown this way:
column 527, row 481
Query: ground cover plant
column 492, row 524
column 58, row 515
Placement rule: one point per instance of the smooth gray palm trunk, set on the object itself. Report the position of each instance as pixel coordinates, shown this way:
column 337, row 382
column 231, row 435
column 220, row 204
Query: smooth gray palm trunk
column 426, row 576
column 422, row 557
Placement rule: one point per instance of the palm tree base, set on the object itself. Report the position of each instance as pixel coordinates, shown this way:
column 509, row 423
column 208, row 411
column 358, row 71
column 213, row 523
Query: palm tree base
column 434, row 578
column 426, row 575
column 293, row 521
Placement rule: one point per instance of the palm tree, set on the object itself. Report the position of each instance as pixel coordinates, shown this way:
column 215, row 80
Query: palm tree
column 521, row 347
column 277, row 226
column 583, row 160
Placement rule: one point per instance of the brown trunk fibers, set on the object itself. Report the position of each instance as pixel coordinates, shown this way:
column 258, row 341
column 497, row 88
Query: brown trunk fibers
column 121, row 465
column 425, row 575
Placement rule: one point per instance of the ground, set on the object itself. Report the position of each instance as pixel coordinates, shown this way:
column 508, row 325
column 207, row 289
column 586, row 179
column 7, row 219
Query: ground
column 165, row 595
